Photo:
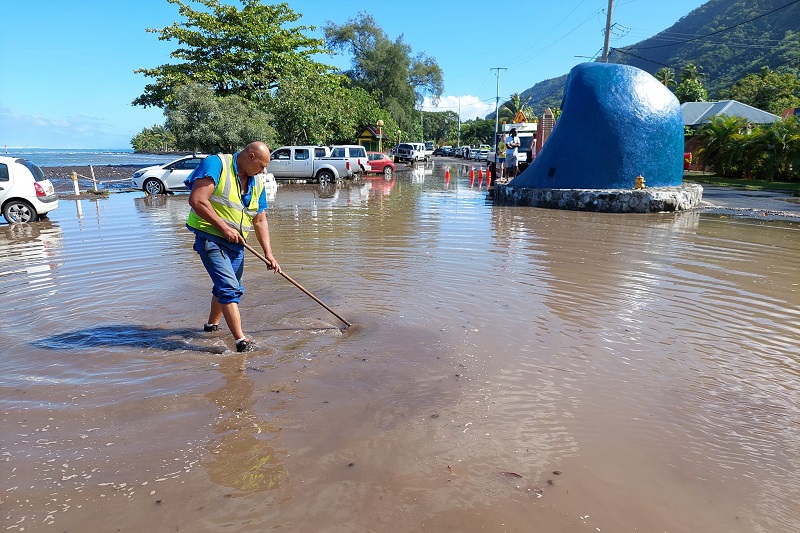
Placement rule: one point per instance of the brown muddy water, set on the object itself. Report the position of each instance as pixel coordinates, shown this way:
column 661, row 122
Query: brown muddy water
column 512, row 369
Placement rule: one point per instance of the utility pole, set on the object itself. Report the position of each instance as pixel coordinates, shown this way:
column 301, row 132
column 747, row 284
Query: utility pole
column 497, row 106
column 608, row 30
column 459, row 124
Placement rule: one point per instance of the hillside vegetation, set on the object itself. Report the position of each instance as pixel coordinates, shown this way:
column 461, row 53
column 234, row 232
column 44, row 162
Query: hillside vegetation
column 726, row 39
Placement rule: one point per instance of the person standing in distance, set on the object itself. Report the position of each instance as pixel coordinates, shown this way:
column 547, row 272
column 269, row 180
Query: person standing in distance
column 512, row 149
column 501, row 155
column 228, row 199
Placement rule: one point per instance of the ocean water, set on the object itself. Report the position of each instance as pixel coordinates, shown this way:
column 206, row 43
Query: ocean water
column 55, row 157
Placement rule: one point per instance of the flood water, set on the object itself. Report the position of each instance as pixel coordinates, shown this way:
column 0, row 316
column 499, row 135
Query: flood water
column 510, row 369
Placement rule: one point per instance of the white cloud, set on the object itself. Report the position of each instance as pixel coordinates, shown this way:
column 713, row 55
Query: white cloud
column 78, row 131
column 471, row 107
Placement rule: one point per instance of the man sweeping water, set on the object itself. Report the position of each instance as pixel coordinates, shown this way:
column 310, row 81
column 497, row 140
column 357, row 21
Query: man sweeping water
column 228, row 200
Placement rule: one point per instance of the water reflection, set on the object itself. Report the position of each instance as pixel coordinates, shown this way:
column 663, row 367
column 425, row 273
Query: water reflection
column 615, row 349
column 28, row 256
column 242, row 455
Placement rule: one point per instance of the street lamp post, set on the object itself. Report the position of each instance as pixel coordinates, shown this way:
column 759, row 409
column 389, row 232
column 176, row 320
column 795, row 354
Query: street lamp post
column 398, row 137
column 380, row 136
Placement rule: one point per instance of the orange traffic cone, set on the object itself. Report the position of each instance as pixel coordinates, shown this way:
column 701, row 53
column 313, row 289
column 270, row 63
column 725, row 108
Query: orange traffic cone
column 447, row 174
column 488, row 176
column 480, row 172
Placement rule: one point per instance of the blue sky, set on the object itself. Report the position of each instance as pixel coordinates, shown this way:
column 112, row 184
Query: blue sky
column 67, row 81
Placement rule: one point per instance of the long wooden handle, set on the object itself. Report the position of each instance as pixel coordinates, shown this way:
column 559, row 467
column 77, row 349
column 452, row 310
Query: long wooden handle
column 293, row 282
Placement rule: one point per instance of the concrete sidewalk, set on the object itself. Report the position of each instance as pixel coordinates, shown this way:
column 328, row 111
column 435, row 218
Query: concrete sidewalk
column 763, row 204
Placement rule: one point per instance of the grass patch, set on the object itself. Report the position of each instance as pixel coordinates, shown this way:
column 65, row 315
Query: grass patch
column 791, row 187
column 100, row 192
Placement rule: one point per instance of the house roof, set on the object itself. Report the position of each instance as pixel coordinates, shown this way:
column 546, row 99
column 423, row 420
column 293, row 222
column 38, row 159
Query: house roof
column 696, row 113
column 371, row 130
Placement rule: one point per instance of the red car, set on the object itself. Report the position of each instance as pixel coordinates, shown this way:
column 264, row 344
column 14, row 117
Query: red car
column 381, row 164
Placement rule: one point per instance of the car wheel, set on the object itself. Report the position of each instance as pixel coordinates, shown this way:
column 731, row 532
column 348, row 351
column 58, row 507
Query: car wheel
column 387, row 172
column 153, row 186
column 325, row 177
column 19, row 211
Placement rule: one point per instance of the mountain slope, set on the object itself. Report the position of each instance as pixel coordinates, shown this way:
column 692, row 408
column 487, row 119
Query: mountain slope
column 727, row 39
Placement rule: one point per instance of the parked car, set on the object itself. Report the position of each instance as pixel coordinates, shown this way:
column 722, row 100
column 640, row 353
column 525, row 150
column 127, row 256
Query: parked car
column 25, row 193
column 381, row 164
column 428, row 149
column 444, row 151
column 309, row 163
column 411, row 152
column 355, row 154
column 160, row 179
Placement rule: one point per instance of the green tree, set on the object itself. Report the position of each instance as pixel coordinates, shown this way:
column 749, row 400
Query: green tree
column 692, row 72
column 386, row 69
column 440, row 126
column 478, row 131
column 243, row 52
column 514, row 105
column 155, row 139
column 774, row 151
column 767, row 90
column 203, row 121
column 691, row 90
column 720, row 144
column 666, row 76
column 322, row 109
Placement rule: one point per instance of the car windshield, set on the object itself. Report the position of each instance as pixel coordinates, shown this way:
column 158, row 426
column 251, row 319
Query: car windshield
column 38, row 175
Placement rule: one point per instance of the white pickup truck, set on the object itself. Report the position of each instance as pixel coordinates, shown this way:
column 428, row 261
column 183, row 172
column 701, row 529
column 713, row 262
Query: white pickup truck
column 355, row 153
column 411, row 152
column 308, row 163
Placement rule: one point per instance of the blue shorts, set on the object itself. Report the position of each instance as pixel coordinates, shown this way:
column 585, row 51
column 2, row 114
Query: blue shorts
column 225, row 265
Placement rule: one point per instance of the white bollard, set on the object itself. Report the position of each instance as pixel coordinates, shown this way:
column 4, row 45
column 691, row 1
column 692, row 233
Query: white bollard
column 75, row 183
column 94, row 181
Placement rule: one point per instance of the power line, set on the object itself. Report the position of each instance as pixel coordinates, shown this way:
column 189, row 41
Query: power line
column 715, row 32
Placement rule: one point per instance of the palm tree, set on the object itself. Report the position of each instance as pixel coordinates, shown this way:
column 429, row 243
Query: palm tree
column 692, row 72
column 721, row 144
column 666, row 76
column 775, row 147
column 510, row 109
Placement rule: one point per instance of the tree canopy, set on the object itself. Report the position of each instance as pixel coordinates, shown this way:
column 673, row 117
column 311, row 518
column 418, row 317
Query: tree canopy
column 243, row 52
column 385, row 68
column 203, row 121
column 767, row 90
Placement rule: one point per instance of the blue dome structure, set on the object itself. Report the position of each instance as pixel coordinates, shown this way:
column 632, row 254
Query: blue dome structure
column 617, row 122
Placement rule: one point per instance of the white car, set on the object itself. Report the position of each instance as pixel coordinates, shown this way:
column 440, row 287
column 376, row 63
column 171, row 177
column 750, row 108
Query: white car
column 25, row 193
column 166, row 178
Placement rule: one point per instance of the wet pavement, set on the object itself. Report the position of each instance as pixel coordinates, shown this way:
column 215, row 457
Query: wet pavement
column 509, row 368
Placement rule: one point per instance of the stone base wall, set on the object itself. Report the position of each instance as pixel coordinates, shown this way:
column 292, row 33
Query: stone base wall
column 654, row 200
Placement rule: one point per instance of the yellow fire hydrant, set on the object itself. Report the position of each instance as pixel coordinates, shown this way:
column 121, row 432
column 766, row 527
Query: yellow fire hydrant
column 639, row 182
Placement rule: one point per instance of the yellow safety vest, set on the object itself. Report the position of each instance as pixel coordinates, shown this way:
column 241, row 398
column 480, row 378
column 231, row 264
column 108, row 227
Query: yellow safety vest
column 227, row 203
